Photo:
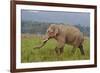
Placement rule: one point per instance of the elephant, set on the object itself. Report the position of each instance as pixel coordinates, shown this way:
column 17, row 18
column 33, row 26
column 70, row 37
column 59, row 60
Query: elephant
column 64, row 34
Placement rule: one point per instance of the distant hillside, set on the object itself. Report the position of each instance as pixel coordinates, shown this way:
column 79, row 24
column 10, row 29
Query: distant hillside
column 35, row 27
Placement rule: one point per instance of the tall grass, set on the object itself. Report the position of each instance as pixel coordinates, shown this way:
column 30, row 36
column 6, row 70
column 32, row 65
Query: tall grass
column 47, row 52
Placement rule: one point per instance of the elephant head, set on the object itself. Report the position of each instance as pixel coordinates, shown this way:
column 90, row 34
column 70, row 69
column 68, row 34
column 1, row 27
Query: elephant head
column 52, row 32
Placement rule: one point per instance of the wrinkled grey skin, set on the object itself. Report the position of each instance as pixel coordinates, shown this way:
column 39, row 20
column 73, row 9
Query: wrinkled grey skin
column 64, row 35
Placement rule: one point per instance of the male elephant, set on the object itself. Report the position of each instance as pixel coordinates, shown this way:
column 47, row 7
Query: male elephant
column 64, row 35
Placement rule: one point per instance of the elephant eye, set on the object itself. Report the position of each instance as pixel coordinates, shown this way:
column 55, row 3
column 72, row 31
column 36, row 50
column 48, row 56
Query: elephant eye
column 50, row 32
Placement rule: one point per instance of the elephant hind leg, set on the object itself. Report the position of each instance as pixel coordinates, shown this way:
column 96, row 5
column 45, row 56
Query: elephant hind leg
column 81, row 49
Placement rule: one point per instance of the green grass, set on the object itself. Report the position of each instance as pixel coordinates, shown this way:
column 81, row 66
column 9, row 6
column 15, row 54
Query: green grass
column 47, row 52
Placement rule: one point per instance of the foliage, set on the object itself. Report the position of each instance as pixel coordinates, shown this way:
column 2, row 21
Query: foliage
column 47, row 53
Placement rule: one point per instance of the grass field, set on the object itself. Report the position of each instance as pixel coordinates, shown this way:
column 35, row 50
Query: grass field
column 47, row 53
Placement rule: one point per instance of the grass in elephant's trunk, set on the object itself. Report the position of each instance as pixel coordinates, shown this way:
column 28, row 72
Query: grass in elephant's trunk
column 47, row 52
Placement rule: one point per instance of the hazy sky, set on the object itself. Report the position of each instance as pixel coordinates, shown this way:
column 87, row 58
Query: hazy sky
column 74, row 18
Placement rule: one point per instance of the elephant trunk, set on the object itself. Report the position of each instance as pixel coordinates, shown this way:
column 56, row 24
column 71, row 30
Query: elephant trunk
column 46, row 38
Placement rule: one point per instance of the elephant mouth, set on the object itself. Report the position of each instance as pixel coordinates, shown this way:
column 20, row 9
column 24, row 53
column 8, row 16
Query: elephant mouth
column 51, row 33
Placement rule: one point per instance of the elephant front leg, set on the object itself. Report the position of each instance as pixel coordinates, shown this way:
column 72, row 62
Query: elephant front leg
column 59, row 51
column 60, row 48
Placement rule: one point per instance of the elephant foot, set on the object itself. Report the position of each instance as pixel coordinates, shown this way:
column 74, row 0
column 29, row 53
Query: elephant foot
column 56, row 50
column 59, row 51
column 81, row 49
